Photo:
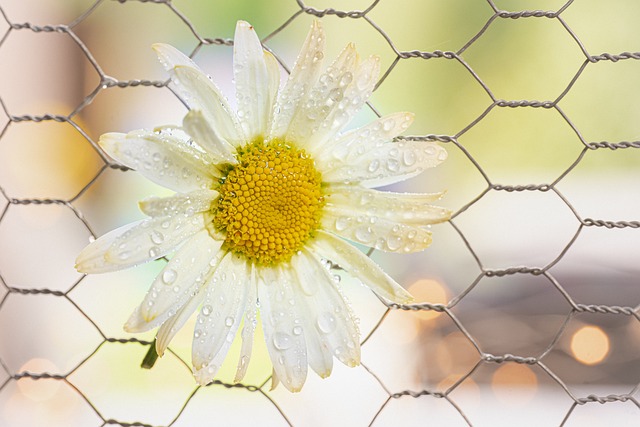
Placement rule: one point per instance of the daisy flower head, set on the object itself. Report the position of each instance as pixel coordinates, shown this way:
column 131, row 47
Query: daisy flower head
column 266, row 195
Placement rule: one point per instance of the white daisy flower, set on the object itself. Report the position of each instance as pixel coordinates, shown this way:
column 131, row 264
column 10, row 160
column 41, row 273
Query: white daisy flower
column 264, row 197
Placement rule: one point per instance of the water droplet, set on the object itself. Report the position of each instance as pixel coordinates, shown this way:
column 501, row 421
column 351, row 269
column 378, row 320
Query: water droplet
column 169, row 276
column 124, row 255
column 345, row 79
column 373, row 165
column 206, row 310
column 153, row 252
column 335, row 94
column 394, row 243
column 197, row 333
column 156, row 237
column 326, row 323
column 342, row 223
column 393, row 165
column 165, row 224
column 318, row 56
column 388, row 124
column 364, row 234
column 229, row 321
column 297, row 330
column 282, row 341
column 409, row 157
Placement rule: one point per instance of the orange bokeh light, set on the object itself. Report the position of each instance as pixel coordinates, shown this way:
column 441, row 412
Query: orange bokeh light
column 431, row 291
column 590, row 345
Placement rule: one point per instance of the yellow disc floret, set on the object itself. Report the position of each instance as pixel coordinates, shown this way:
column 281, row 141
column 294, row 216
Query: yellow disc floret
column 270, row 202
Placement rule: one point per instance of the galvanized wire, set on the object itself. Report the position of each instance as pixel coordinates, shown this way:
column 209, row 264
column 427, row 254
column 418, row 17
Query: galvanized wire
column 452, row 142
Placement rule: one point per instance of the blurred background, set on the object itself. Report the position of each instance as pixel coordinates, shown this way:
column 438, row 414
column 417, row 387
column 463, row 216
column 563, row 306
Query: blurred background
column 538, row 267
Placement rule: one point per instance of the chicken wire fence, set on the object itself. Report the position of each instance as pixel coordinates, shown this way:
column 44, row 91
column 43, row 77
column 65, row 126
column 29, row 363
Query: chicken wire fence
column 517, row 327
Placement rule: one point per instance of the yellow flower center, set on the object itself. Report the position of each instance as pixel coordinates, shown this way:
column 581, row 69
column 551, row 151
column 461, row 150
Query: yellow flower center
column 270, row 202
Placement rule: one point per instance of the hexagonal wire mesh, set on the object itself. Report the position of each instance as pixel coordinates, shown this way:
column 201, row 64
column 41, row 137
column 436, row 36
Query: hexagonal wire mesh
column 528, row 300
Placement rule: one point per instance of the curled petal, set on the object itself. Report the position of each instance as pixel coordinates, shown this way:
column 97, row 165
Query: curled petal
column 204, row 95
column 179, row 282
column 196, row 125
column 359, row 266
column 220, row 316
column 164, row 156
column 170, row 328
column 179, row 204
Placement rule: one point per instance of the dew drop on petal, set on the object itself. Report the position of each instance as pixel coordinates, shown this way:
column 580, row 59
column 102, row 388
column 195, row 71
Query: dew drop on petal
column 229, row 321
column 326, row 323
column 364, row 234
column 297, row 330
column 169, row 276
column 342, row 223
column 154, row 252
column 156, row 237
column 206, row 310
column 197, row 333
column 394, row 243
column 282, row 341
column 124, row 255
column 373, row 165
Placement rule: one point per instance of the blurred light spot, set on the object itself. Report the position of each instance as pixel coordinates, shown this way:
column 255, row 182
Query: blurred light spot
column 430, row 291
column 514, row 383
column 590, row 345
column 41, row 389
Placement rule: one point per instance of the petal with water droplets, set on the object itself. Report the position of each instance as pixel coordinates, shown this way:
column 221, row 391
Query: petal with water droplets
column 280, row 316
column 387, row 164
column 405, row 208
column 303, row 76
column 253, row 70
column 179, row 204
column 151, row 239
column 220, row 316
column 91, row 259
column 180, row 281
column 359, row 266
column 163, row 156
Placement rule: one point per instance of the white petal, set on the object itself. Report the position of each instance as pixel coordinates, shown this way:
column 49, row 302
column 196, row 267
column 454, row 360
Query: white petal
column 332, row 318
column 379, row 233
column 358, row 141
column 220, row 316
column 163, row 156
column 206, row 136
column 279, row 318
column 324, row 98
column 387, row 164
column 180, row 280
column 248, row 330
column 406, row 208
column 253, row 81
column 170, row 328
column 91, row 258
column 303, row 76
column 170, row 57
column 151, row 239
column 205, row 96
column 178, row 204
column 359, row 266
